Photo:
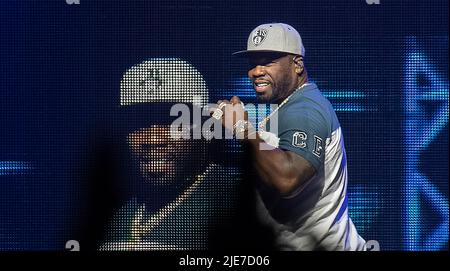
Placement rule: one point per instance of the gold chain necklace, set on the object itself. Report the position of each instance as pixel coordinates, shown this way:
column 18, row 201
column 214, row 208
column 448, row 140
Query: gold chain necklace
column 141, row 226
column 263, row 123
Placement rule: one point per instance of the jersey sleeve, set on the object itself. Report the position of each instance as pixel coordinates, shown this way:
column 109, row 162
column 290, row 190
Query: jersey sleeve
column 304, row 131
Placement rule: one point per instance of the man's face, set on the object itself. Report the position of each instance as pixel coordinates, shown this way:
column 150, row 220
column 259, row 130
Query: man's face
column 273, row 76
column 161, row 159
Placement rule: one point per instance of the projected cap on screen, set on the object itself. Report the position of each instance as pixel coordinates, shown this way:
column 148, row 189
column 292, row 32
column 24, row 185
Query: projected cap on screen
column 169, row 80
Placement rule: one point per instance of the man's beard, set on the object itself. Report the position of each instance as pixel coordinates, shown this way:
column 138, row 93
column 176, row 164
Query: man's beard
column 262, row 99
column 278, row 94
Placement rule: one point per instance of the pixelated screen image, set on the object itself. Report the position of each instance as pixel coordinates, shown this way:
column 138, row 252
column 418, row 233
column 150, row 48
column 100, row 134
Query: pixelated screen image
column 90, row 91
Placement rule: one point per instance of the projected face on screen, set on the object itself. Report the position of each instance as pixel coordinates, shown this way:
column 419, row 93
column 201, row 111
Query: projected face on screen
column 160, row 159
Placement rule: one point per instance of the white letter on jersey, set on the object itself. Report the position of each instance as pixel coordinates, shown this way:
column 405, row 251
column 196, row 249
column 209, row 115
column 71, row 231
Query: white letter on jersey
column 317, row 146
column 299, row 139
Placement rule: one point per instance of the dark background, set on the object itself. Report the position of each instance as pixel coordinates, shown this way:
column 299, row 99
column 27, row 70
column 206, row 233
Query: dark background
column 61, row 67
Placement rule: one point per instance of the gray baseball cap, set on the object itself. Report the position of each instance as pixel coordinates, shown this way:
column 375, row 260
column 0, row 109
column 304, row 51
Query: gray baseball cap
column 274, row 37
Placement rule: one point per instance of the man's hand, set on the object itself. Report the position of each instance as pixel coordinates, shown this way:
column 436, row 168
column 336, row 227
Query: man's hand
column 233, row 112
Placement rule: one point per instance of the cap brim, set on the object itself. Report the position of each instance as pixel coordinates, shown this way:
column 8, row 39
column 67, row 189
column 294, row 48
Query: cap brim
column 246, row 53
column 144, row 115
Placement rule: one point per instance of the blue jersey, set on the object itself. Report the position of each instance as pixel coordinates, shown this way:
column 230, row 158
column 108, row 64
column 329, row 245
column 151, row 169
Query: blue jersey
column 315, row 215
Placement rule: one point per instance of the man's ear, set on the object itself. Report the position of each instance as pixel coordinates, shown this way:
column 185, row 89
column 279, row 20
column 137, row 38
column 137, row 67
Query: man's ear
column 299, row 66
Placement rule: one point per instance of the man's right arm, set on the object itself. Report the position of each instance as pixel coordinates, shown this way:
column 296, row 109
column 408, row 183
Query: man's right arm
column 281, row 169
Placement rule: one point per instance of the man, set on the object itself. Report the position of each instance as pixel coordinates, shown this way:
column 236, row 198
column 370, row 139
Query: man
column 302, row 191
column 178, row 197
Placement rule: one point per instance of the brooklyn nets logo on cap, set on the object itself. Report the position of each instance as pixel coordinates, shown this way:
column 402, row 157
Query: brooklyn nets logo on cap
column 259, row 36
